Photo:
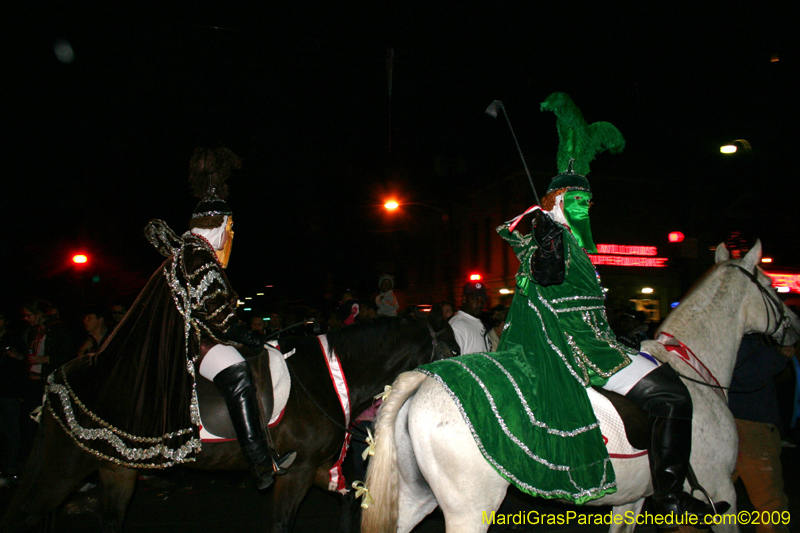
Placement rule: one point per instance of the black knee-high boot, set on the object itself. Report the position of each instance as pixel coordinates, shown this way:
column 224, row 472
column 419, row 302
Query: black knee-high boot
column 666, row 400
column 235, row 383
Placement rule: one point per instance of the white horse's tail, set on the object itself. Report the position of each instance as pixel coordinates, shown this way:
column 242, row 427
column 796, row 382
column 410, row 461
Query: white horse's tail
column 383, row 475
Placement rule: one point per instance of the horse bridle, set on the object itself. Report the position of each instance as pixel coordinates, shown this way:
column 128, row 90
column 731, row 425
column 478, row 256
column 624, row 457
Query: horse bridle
column 772, row 304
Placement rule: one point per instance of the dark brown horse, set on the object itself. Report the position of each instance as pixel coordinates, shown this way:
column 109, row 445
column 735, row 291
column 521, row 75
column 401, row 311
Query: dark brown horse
column 372, row 355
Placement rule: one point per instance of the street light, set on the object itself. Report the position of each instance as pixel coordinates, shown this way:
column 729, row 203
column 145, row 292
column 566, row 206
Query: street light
column 732, row 148
column 391, row 205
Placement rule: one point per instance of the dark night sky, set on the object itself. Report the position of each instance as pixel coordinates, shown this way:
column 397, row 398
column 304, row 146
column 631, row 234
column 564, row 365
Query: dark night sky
column 97, row 147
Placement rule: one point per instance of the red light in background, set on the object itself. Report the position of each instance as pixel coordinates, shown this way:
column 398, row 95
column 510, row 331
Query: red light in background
column 80, row 259
column 675, row 236
column 474, row 277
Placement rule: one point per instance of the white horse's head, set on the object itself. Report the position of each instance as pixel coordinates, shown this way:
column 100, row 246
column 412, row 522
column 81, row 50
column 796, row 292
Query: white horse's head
column 766, row 312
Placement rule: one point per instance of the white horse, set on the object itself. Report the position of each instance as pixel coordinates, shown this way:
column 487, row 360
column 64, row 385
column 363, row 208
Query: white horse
column 426, row 455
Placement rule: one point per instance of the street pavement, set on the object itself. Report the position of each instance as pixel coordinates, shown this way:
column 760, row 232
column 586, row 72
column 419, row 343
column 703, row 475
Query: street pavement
column 185, row 500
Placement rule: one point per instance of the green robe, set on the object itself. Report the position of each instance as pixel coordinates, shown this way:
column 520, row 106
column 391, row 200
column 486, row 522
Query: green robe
column 526, row 404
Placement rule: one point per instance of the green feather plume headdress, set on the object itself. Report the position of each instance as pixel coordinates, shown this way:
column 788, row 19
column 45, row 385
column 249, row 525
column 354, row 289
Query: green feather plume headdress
column 579, row 142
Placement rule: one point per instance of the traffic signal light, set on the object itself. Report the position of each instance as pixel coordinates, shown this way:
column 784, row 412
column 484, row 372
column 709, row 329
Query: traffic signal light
column 675, row 236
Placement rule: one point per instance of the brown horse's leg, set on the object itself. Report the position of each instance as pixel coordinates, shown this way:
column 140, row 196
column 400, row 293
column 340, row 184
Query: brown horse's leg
column 289, row 491
column 54, row 467
column 118, row 484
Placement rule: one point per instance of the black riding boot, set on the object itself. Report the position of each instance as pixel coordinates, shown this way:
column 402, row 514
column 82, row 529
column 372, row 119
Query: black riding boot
column 235, row 383
column 666, row 400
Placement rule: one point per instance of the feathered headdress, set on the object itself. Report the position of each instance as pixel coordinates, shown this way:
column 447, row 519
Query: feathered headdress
column 209, row 170
column 579, row 142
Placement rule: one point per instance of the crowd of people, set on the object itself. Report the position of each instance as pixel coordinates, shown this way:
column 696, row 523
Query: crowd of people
column 34, row 342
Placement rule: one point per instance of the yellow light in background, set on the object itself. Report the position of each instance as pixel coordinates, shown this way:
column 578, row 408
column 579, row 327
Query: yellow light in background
column 391, row 205
column 766, row 260
column 647, row 290
column 732, row 148
column 506, row 291
column 259, row 294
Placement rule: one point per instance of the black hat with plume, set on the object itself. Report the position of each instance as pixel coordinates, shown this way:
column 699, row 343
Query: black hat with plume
column 209, row 170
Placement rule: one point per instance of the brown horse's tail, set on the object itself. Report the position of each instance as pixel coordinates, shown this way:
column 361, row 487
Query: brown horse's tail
column 383, row 476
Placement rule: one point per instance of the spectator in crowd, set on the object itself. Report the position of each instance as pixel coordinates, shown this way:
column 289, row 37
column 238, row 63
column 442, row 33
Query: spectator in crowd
column 348, row 308
column 753, row 401
column 367, row 310
column 466, row 323
column 275, row 322
column 629, row 326
column 12, row 387
column 48, row 345
column 386, row 300
column 94, row 322
column 499, row 314
column 115, row 314
column 258, row 328
column 448, row 310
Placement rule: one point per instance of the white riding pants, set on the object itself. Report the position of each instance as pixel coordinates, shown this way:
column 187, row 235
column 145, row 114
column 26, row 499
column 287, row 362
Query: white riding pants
column 624, row 380
column 218, row 359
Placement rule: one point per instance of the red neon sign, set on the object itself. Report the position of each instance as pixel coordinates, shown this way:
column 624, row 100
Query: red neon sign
column 620, row 249
column 628, row 261
column 628, row 256
column 781, row 279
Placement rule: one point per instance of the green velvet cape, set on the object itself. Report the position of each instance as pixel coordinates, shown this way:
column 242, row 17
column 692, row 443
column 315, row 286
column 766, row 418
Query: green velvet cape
column 526, row 404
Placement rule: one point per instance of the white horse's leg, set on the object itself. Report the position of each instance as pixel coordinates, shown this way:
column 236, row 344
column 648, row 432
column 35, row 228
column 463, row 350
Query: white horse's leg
column 629, row 512
column 467, row 488
column 714, row 447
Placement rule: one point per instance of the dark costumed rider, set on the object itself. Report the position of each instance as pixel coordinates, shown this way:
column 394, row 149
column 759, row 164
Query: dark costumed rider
column 182, row 323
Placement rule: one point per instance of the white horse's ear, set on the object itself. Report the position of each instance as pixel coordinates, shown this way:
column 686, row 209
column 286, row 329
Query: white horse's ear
column 722, row 253
column 753, row 257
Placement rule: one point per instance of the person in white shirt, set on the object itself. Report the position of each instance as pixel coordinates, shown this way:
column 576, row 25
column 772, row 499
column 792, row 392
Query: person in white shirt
column 466, row 323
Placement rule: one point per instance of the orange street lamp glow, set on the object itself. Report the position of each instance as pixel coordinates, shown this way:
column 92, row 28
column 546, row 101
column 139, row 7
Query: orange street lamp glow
column 79, row 259
column 391, row 205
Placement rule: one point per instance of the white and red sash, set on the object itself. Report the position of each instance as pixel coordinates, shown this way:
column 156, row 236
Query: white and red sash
column 671, row 344
column 336, row 477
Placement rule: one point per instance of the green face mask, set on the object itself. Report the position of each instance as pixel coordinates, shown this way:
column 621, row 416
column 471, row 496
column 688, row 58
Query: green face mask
column 576, row 211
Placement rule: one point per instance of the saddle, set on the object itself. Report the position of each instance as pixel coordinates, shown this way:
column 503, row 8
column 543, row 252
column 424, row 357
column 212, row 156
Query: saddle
column 634, row 419
column 216, row 425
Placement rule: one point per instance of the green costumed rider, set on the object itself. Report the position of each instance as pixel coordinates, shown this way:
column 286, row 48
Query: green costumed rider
column 558, row 284
column 557, row 342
